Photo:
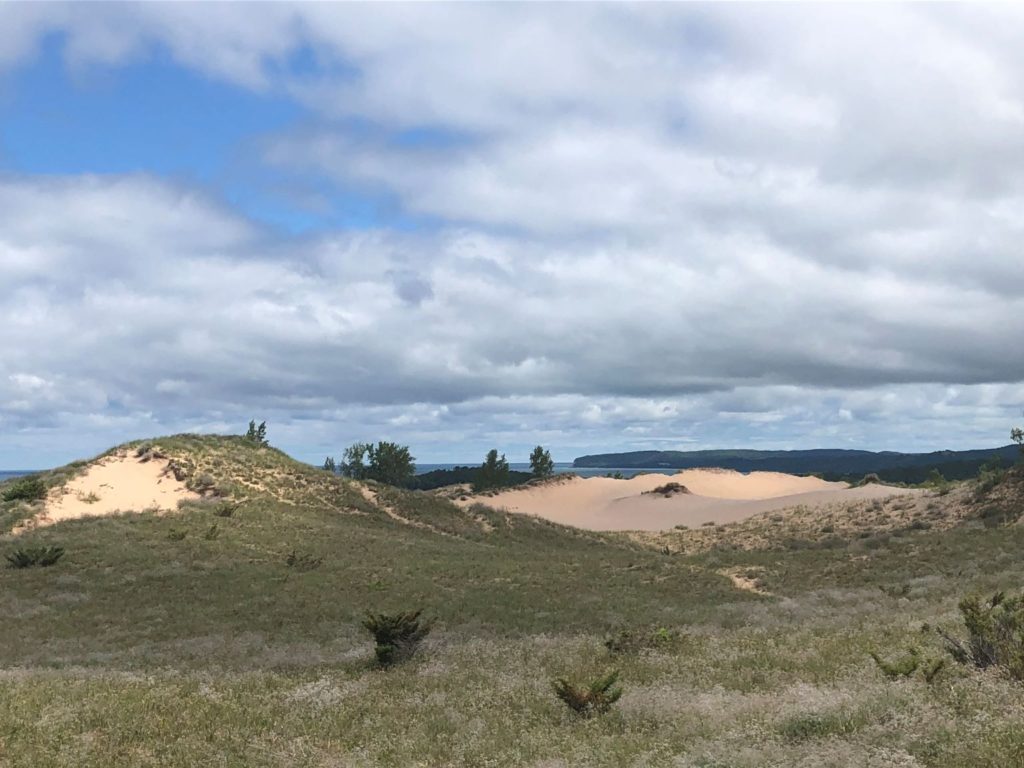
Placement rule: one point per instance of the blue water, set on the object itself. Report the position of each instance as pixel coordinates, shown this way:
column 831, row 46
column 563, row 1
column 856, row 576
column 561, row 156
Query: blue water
column 7, row 474
column 560, row 468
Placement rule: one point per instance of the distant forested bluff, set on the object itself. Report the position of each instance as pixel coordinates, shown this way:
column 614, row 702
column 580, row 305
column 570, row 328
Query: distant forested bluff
column 831, row 464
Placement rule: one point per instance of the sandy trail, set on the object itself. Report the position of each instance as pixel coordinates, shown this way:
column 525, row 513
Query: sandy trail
column 718, row 496
column 112, row 485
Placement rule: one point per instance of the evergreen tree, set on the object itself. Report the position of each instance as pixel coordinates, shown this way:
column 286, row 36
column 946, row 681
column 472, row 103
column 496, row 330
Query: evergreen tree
column 494, row 472
column 541, row 464
column 330, row 466
column 257, row 434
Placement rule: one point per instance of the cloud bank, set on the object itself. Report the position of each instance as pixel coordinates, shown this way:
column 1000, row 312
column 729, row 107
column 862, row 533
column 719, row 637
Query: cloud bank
column 614, row 227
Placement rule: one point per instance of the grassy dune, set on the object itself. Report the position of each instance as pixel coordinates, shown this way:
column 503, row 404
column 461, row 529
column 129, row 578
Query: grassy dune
column 156, row 642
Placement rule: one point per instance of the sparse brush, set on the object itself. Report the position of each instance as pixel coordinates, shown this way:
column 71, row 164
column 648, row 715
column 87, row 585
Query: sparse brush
column 397, row 636
column 176, row 535
column 995, row 634
column 41, row 557
column 302, row 561
column 895, row 591
column 25, row 489
column 632, row 640
column 932, row 669
column 212, row 533
column 595, row 699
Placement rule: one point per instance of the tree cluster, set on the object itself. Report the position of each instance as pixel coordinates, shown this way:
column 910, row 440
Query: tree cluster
column 388, row 463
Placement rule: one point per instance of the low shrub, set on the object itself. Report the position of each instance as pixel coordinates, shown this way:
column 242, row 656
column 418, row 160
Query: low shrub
column 396, row 636
column 995, row 634
column 213, row 532
column 30, row 488
column 632, row 640
column 302, row 561
column 898, row 668
column 668, row 490
column 224, row 509
column 29, row 557
column 815, row 725
column 594, row 699
column 176, row 535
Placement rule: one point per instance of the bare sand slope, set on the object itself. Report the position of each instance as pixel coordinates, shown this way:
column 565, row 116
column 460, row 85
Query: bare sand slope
column 718, row 496
column 119, row 483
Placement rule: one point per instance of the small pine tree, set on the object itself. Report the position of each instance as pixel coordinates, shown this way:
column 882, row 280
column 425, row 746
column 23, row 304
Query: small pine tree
column 595, row 699
column 995, row 634
column 541, row 463
column 396, row 636
column 257, row 434
column 42, row 557
column 330, row 466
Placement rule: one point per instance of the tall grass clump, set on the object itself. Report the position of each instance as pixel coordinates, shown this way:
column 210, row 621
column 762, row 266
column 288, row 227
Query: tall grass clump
column 396, row 636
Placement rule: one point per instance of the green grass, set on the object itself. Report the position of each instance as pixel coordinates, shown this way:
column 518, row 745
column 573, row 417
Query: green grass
column 145, row 647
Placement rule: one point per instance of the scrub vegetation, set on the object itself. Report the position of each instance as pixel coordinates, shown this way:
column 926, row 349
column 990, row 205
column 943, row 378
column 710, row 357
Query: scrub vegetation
column 152, row 643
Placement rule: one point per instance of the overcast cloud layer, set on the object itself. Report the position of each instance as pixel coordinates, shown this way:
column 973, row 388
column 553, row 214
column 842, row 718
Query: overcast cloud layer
column 596, row 227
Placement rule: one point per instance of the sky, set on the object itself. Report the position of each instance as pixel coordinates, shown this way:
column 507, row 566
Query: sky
column 462, row 226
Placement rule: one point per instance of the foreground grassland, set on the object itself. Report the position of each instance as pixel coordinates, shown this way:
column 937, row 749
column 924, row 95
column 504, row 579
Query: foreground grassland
column 186, row 639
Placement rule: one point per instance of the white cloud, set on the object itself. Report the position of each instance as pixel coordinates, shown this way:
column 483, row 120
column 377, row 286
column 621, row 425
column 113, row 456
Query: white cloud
column 649, row 223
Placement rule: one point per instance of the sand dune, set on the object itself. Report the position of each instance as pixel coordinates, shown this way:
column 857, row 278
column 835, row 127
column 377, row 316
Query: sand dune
column 715, row 495
column 119, row 483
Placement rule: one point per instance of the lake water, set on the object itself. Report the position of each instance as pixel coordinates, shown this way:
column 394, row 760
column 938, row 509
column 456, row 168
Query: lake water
column 7, row 474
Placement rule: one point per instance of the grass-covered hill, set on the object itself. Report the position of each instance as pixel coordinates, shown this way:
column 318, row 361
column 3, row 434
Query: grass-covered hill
column 228, row 632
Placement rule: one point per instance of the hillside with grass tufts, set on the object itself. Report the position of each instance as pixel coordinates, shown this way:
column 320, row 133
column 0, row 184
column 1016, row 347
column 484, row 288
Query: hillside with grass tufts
column 226, row 617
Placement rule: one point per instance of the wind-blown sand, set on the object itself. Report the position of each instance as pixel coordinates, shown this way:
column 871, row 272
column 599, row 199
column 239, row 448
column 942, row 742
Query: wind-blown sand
column 112, row 485
column 715, row 495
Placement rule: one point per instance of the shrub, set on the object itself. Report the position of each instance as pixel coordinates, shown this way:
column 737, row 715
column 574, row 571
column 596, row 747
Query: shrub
column 816, row 725
column 176, row 535
column 35, row 556
column 995, row 634
column 213, row 532
column 595, row 699
column 397, row 636
column 898, row 668
column 303, row 561
column 668, row 490
column 631, row 640
column 224, row 509
column 29, row 488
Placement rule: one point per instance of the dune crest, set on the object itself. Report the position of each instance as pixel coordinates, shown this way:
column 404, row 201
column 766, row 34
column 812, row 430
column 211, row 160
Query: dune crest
column 714, row 496
column 114, row 484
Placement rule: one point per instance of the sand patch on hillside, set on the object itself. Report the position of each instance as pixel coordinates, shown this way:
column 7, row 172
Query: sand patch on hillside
column 115, row 484
column 715, row 496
